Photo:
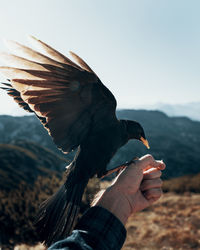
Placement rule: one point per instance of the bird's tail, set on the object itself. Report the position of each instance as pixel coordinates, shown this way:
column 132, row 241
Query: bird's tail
column 57, row 215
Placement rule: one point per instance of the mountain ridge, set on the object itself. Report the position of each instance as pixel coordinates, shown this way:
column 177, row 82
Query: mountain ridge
column 190, row 110
column 173, row 139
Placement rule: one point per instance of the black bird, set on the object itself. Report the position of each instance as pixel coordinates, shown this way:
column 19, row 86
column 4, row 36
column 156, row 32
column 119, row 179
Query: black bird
column 78, row 111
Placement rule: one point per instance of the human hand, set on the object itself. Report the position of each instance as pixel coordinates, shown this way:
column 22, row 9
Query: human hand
column 134, row 189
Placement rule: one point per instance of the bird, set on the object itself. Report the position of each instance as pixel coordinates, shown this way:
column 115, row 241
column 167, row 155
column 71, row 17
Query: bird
column 78, row 111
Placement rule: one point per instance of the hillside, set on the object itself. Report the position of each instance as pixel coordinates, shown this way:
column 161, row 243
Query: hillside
column 29, row 174
column 24, row 128
column 24, row 162
column 173, row 139
column 172, row 223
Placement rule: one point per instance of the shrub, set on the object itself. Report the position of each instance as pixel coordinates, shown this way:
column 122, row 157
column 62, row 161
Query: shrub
column 19, row 207
column 188, row 183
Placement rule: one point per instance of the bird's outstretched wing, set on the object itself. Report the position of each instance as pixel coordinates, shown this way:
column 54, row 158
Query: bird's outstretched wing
column 68, row 98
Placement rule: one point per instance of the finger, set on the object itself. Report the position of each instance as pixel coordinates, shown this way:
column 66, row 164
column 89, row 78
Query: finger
column 162, row 165
column 154, row 193
column 151, row 173
column 152, row 200
column 147, row 162
column 150, row 184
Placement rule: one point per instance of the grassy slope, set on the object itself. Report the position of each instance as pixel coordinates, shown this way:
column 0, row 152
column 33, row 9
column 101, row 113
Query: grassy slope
column 172, row 223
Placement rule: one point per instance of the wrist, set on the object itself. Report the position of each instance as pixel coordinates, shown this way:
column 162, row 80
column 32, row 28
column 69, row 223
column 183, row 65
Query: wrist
column 112, row 200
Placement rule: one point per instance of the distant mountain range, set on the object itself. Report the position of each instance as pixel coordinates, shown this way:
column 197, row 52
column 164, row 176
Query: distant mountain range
column 191, row 110
column 173, row 139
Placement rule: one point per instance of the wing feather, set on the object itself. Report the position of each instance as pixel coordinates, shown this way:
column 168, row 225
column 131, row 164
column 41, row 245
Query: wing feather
column 81, row 62
column 16, row 61
column 41, row 84
column 27, row 74
column 64, row 96
column 17, row 98
column 28, row 53
column 52, row 53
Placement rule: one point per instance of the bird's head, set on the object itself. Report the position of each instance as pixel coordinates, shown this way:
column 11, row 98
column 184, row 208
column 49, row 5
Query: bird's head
column 136, row 131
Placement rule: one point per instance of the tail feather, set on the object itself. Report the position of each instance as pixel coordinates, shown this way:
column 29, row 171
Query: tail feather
column 58, row 215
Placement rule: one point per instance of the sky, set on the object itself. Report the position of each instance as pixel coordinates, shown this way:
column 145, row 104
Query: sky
column 144, row 51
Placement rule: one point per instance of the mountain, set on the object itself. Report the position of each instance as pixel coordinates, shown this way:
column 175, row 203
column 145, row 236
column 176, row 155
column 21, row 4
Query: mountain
column 190, row 110
column 173, row 139
column 24, row 161
column 26, row 128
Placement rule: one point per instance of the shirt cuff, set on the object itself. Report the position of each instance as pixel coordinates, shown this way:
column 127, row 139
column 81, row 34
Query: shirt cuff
column 107, row 230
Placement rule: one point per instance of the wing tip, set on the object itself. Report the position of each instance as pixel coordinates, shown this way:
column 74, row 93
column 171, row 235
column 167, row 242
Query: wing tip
column 33, row 37
column 74, row 55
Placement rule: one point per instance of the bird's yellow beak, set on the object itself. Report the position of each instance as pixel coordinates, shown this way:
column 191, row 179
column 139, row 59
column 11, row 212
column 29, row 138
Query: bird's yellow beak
column 145, row 142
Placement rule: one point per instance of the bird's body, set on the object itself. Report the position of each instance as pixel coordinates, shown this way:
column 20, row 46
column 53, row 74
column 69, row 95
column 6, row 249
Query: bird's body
column 78, row 111
column 97, row 150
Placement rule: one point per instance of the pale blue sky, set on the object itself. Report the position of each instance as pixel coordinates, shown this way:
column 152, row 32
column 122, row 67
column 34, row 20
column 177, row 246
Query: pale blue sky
column 144, row 51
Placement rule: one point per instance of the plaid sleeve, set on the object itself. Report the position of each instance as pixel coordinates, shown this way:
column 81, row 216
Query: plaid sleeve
column 97, row 229
column 103, row 229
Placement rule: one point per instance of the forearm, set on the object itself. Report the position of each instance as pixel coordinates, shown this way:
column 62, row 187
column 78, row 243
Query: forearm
column 117, row 204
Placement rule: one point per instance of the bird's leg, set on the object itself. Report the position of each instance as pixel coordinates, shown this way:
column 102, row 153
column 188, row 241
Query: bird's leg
column 118, row 169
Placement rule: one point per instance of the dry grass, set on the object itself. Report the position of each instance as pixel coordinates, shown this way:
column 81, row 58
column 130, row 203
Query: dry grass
column 26, row 247
column 182, row 184
column 172, row 223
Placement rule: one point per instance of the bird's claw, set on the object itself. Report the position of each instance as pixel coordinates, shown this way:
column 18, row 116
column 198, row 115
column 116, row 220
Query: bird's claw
column 118, row 169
